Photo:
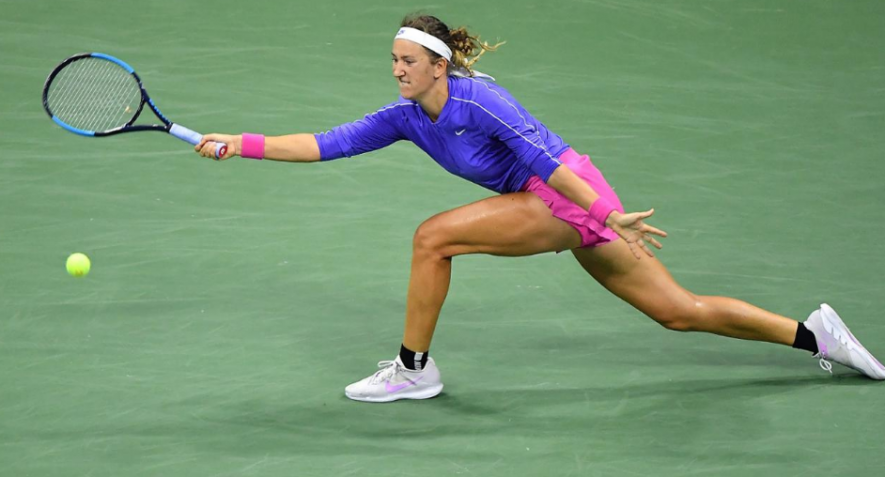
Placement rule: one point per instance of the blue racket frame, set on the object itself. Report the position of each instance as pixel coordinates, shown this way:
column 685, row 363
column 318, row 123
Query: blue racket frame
column 168, row 126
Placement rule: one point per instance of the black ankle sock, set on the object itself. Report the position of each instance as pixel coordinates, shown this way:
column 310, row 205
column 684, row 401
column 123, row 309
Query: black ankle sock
column 805, row 339
column 412, row 360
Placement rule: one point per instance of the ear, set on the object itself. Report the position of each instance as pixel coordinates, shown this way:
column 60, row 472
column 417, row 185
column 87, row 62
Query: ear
column 440, row 68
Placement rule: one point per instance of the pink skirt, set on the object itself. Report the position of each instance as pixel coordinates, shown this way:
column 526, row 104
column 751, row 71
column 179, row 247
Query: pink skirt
column 593, row 234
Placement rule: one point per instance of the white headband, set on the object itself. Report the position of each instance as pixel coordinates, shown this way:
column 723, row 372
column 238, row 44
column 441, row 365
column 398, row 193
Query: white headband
column 431, row 42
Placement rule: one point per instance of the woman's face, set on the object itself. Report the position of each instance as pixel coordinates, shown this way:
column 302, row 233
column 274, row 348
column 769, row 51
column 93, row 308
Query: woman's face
column 413, row 69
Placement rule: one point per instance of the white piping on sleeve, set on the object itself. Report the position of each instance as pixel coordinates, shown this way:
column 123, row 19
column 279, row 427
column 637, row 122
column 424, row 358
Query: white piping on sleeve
column 524, row 121
column 508, row 127
column 395, row 105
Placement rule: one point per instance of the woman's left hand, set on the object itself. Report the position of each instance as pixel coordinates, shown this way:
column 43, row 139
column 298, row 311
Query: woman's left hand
column 634, row 231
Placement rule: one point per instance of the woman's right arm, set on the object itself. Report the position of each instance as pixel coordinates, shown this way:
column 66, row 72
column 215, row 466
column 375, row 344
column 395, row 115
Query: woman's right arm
column 374, row 131
column 291, row 148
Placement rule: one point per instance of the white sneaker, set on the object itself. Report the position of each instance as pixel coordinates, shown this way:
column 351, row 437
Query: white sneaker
column 394, row 381
column 835, row 342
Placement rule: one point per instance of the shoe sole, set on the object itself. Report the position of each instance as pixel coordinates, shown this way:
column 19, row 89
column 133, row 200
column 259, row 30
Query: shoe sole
column 829, row 314
column 425, row 393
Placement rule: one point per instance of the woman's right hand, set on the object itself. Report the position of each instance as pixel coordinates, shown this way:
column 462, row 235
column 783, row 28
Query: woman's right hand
column 206, row 147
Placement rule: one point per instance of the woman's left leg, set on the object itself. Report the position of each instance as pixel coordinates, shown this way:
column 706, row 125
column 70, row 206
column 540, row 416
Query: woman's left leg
column 647, row 285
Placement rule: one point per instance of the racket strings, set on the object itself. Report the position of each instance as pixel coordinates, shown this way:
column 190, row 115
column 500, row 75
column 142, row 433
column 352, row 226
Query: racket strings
column 94, row 94
column 97, row 94
column 84, row 97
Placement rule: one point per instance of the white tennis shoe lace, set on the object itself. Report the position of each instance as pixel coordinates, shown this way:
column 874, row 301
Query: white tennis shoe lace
column 843, row 340
column 389, row 369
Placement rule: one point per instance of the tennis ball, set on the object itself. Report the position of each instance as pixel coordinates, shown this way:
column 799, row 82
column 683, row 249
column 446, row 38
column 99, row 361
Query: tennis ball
column 78, row 265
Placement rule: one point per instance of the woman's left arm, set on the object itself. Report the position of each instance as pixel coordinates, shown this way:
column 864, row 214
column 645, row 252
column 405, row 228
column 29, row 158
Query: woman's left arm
column 502, row 120
column 629, row 226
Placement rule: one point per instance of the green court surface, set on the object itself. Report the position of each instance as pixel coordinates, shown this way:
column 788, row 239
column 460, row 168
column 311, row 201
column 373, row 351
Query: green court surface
column 230, row 303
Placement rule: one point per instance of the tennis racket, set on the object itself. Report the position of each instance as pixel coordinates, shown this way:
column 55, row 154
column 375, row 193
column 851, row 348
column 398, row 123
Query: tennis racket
column 97, row 95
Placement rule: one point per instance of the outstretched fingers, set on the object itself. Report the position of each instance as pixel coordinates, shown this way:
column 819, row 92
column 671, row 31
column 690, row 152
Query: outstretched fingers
column 638, row 247
column 648, row 229
column 633, row 248
column 638, row 234
column 653, row 241
column 648, row 233
column 644, row 247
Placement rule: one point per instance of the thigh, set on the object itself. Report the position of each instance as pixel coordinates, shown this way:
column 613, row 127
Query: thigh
column 515, row 224
column 644, row 283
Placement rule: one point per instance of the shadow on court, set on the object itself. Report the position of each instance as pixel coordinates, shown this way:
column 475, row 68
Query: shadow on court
column 651, row 406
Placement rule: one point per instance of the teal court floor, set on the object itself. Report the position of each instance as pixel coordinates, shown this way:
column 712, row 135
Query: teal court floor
column 230, row 303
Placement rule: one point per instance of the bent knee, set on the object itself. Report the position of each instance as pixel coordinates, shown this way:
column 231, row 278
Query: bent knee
column 430, row 238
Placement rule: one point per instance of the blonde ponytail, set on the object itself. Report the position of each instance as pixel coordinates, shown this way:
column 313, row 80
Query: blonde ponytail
column 466, row 48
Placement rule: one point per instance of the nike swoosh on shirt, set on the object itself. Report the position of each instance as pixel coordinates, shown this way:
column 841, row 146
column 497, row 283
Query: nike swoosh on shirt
column 458, row 133
column 399, row 387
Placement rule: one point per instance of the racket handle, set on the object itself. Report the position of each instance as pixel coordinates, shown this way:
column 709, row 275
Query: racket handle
column 194, row 138
column 220, row 149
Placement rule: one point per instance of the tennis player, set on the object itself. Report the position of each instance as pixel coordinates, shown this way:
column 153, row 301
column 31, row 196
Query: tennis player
column 551, row 198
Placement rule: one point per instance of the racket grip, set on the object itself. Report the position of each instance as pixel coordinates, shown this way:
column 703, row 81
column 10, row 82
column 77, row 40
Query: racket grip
column 194, row 138
column 220, row 149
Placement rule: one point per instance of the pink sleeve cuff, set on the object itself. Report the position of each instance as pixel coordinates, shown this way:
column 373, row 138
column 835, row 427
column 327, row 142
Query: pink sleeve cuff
column 600, row 210
column 253, row 146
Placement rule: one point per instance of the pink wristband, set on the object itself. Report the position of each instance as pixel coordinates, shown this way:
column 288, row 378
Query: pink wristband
column 253, row 146
column 600, row 210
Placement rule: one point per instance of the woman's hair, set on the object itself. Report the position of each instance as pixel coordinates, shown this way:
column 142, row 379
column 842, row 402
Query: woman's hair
column 466, row 48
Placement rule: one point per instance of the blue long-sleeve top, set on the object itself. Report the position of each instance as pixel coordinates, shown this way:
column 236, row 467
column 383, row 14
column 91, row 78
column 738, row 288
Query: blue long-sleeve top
column 482, row 134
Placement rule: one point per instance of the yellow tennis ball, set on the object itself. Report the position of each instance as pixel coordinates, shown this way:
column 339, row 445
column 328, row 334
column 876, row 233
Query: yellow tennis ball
column 78, row 265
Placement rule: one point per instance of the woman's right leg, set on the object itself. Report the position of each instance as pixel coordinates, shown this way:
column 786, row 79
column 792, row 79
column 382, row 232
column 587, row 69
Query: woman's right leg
column 512, row 225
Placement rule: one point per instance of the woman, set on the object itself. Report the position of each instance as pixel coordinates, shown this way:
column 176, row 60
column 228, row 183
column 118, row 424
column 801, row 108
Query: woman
column 551, row 199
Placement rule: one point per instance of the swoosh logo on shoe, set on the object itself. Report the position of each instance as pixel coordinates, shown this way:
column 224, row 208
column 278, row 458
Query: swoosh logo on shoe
column 840, row 333
column 399, row 387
